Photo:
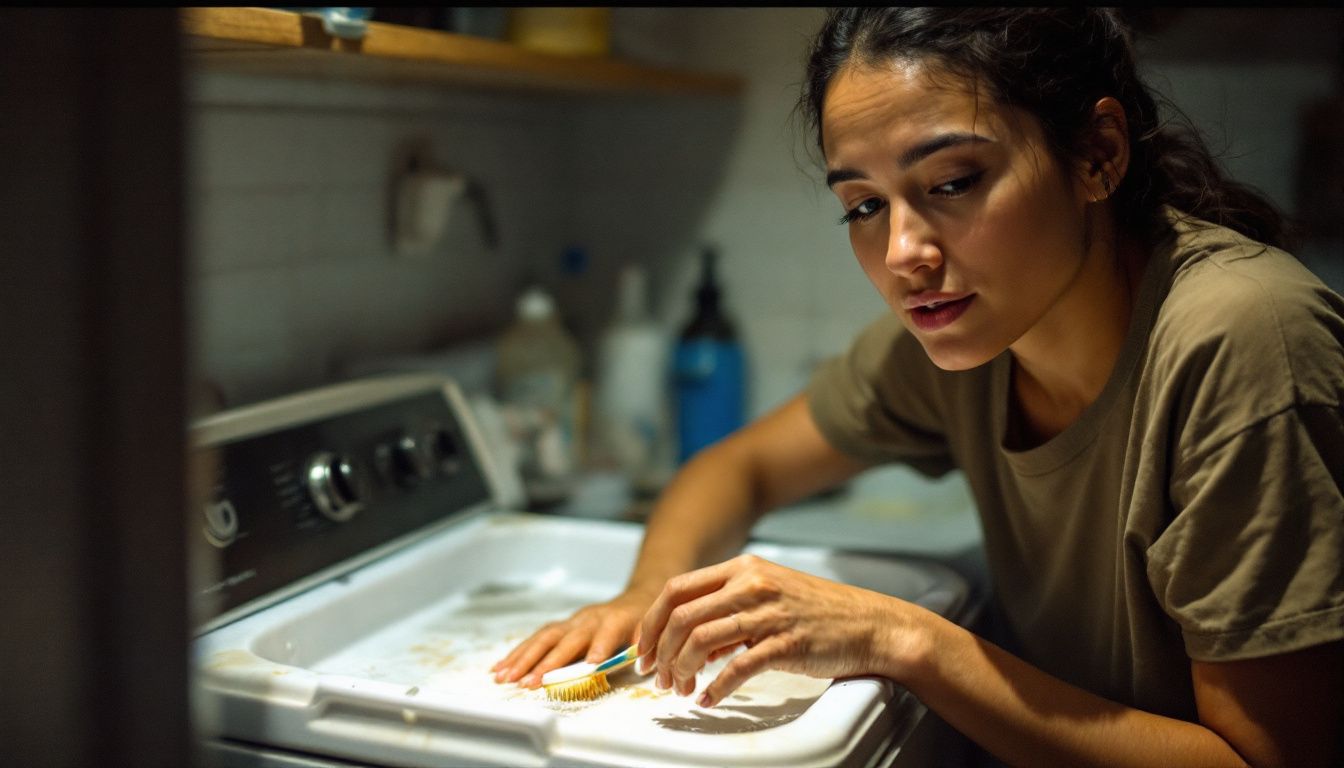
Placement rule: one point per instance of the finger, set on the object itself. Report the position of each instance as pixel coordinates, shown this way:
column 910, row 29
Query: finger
column 671, row 611
column 643, row 664
column 548, row 629
column 681, row 622
column 677, row 590
column 534, row 655
column 523, row 657
column 610, row 637
column 565, row 652
column 705, row 639
column 515, row 652
column 720, row 653
column 743, row 667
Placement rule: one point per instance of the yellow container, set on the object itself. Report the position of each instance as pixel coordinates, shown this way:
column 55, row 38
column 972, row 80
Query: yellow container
column 564, row 31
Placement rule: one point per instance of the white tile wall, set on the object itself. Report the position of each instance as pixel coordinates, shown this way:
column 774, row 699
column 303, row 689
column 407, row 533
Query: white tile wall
column 294, row 277
column 1249, row 114
column 244, row 229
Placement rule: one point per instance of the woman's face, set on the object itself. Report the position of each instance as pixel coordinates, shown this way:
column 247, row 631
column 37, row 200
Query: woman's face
column 957, row 211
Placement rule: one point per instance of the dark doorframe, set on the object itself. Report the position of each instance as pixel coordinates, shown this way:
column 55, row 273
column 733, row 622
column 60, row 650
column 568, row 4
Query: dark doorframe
column 93, row 617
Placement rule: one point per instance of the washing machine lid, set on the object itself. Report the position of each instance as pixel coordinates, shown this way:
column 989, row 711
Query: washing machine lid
column 390, row 664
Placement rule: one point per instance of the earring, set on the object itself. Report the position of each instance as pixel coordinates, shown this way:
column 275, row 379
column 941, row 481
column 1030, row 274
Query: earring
column 1106, row 183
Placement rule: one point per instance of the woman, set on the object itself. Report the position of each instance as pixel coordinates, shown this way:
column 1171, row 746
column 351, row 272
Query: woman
column 1097, row 328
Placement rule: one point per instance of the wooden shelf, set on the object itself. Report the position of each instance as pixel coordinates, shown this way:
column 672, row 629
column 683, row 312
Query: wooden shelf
column 265, row 41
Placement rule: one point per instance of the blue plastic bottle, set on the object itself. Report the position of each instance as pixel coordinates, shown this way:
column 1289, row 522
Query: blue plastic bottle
column 709, row 371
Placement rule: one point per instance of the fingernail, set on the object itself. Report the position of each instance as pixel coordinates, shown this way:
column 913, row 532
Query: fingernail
column 704, row 699
column 663, row 681
column 643, row 665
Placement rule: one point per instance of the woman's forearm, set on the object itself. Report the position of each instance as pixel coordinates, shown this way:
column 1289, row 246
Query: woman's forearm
column 703, row 516
column 1027, row 717
column 709, row 508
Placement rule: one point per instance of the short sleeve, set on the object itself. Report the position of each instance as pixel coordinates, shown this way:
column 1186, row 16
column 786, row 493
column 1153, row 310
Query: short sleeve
column 878, row 402
column 1253, row 562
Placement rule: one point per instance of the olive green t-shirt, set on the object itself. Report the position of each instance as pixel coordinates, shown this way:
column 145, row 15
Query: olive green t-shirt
column 1193, row 511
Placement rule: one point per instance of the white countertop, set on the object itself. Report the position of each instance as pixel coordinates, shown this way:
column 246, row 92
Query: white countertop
column 886, row 510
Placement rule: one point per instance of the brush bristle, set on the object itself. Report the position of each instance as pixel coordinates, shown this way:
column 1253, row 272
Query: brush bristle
column 579, row 690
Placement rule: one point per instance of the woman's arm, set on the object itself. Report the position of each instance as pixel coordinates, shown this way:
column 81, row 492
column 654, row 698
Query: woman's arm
column 1277, row 710
column 1281, row 710
column 1272, row 711
column 704, row 515
column 707, row 512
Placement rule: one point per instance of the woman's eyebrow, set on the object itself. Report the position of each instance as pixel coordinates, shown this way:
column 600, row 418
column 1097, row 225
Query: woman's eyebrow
column 912, row 155
column 925, row 148
column 842, row 174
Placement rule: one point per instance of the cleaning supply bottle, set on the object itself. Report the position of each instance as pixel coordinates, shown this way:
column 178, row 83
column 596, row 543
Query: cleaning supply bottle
column 709, row 370
column 536, row 378
column 633, row 422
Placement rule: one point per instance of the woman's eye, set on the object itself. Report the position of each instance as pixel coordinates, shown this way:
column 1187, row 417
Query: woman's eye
column 957, row 187
column 863, row 211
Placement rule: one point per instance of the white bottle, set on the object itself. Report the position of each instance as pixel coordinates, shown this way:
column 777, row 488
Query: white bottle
column 537, row 376
column 632, row 410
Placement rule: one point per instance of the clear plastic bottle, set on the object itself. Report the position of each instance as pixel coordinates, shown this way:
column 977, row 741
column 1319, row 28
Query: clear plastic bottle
column 537, row 377
column 632, row 411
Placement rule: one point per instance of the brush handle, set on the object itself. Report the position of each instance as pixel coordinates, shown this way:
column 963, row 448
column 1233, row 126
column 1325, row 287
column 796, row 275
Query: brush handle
column 619, row 660
column 584, row 669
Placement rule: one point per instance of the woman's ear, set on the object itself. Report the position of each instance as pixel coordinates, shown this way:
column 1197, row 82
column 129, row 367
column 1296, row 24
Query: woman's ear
column 1105, row 150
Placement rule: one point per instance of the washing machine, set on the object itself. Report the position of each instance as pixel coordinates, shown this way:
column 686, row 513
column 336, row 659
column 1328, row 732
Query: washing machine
column 361, row 565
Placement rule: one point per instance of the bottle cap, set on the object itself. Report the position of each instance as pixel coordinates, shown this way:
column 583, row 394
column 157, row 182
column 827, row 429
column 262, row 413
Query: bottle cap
column 535, row 304
column 707, row 294
column 631, row 293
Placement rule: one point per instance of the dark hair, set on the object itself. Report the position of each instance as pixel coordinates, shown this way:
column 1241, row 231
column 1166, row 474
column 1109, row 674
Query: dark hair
column 1055, row 63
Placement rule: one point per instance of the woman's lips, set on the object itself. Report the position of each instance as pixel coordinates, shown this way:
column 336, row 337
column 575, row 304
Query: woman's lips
column 939, row 314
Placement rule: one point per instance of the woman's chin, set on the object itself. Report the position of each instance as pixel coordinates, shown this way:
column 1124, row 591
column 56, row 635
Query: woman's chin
column 951, row 356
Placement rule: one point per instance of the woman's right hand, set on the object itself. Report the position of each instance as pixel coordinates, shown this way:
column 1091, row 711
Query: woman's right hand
column 596, row 632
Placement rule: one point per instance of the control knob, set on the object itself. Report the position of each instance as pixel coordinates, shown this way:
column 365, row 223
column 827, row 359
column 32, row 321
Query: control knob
column 221, row 523
column 409, row 462
column 333, row 486
column 446, row 453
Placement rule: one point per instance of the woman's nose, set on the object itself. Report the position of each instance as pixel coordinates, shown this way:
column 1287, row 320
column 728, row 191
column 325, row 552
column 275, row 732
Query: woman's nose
column 910, row 245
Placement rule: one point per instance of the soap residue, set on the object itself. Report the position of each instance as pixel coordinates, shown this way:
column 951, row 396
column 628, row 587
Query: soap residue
column 450, row 648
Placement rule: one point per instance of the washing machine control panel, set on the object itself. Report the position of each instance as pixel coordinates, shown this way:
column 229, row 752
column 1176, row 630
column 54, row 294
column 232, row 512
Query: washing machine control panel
column 297, row 499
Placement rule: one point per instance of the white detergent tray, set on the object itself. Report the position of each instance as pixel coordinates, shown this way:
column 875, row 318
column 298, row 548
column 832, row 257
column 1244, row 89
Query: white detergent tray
column 391, row 663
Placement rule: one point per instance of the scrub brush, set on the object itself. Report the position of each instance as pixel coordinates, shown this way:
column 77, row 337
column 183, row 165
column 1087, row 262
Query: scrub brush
column 583, row 681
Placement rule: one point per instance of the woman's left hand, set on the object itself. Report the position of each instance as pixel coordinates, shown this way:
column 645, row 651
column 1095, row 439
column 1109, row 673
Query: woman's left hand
column 789, row 620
